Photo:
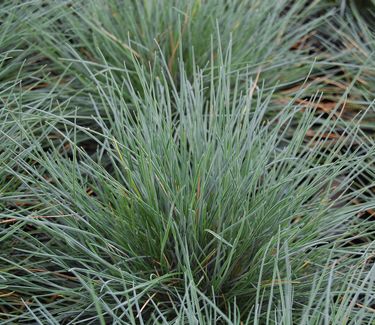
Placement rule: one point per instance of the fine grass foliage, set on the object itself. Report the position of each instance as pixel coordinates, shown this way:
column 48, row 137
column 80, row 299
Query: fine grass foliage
column 194, row 209
column 186, row 162
column 67, row 35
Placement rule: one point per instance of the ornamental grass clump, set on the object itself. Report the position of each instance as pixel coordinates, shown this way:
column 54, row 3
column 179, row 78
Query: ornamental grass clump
column 195, row 208
column 186, row 162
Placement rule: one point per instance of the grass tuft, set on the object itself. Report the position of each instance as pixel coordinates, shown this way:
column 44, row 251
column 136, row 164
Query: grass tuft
column 160, row 167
